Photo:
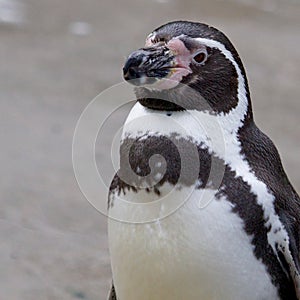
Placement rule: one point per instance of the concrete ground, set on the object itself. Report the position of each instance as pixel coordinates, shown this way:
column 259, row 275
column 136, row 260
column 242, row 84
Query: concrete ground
column 56, row 56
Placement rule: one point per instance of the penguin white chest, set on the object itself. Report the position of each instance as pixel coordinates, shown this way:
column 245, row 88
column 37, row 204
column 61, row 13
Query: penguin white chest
column 194, row 253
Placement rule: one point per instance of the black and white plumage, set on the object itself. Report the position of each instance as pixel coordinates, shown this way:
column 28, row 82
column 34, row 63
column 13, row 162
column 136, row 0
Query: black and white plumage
column 244, row 244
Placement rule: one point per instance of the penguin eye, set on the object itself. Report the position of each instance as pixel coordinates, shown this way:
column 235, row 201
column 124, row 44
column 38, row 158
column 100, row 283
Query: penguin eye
column 200, row 57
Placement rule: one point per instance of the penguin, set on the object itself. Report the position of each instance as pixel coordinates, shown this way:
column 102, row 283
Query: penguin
column 177, row 229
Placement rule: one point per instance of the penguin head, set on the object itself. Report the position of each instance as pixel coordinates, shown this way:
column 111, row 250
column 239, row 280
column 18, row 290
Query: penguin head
column 185, row 54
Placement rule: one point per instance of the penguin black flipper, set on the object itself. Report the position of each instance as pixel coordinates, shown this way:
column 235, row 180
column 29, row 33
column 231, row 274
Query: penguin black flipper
column 112, row 293
column 265, row 162
column 289, row 216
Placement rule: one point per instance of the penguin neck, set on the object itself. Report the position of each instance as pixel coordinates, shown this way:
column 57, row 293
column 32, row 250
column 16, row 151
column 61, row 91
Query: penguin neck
column 216, row 130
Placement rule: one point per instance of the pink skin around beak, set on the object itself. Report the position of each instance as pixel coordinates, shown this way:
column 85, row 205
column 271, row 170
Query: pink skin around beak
column 181, row 66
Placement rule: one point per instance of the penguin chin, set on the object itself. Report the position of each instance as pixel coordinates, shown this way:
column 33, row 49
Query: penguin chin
column 159, row 104
column 158, row 99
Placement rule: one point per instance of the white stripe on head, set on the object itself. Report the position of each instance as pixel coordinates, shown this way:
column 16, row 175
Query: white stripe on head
column 237, row 114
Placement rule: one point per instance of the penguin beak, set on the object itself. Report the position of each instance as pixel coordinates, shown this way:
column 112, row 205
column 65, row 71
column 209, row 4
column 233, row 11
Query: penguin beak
column 148, row 65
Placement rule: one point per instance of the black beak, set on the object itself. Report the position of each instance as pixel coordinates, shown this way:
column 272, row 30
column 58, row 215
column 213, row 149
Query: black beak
column 147, row 65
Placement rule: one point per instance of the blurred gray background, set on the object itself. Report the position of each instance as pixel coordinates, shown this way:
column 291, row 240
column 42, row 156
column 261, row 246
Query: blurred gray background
column 56, row 56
